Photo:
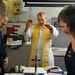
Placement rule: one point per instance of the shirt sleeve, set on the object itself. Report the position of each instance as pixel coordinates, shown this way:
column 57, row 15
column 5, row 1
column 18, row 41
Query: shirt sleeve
column 29, row 32
column 3, row 52
column 55, row 31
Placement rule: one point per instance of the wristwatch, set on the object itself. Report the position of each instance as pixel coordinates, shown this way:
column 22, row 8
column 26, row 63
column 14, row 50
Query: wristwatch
column 51, row 28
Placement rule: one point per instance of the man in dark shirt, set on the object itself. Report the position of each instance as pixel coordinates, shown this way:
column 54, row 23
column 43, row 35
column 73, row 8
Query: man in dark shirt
column 3, row 53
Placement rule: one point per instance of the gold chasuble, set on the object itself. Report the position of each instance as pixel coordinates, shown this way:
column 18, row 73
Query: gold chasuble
column 46, row 41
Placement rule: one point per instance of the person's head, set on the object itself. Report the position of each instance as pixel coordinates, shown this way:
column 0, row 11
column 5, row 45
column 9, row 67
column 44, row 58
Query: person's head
column 29, row 23
column 66, row 19
column 3, row 19
column 41, row 18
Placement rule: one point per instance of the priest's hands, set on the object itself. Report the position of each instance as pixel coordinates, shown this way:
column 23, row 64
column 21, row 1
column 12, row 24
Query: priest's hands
column 5, row 62
column 48, row 25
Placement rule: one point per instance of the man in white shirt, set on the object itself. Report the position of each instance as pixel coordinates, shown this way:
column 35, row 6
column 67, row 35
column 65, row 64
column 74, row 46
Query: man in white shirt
column 40, row 35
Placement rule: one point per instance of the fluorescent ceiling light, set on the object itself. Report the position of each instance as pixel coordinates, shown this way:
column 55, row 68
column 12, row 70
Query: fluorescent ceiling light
column 50, row 2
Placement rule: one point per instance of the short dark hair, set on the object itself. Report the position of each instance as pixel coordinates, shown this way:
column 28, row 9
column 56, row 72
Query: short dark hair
column 67, row 15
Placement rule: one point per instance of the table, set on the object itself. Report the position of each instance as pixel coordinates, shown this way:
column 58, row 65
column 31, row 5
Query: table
column 31, row 70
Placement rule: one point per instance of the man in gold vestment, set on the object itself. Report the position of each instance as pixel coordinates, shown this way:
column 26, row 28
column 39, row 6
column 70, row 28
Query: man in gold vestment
column 40, row 35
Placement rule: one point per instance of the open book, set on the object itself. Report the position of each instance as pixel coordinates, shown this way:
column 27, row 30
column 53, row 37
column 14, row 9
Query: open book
column 53, row 69
column 32, row 70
